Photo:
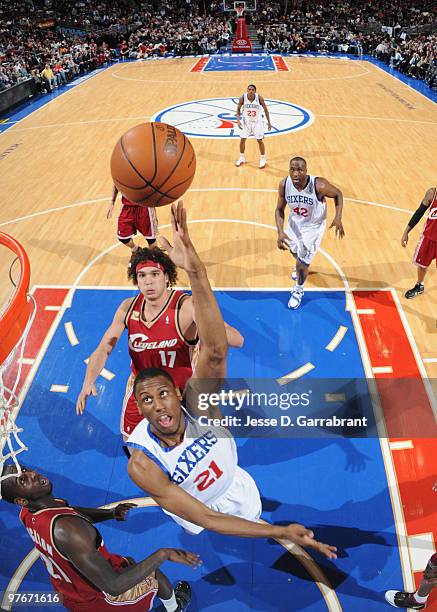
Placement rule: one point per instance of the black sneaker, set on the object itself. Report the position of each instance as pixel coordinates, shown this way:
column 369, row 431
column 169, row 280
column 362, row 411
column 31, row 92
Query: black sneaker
column 401, row 599
column 182, row 593
column 416, row 290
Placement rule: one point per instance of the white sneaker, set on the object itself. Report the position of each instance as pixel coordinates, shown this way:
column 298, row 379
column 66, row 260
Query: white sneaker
column 262, row 161
column 295, row 297
column 240, row 161
column 294, row 275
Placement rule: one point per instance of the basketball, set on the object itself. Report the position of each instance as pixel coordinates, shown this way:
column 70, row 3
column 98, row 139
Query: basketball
column 153, row 164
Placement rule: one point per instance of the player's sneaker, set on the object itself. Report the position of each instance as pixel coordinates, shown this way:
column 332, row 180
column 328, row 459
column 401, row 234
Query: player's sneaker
column 262, row 161
column 295, row 297
column 240, row 161
column 401, row 599
column 182, row 593
column 294, row 274
column 415, row 291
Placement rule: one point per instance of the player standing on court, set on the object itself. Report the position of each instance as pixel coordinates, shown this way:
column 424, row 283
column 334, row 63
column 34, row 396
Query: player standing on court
column 134, row 218
column 305, row 195
column 426, row 250
column 191, row 469
column 251, row 123
column 82, row 570
column 161, row 331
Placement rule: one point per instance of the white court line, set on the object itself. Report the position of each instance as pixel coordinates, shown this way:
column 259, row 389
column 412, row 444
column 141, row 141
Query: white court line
column 399, row 81
column 284, row 380
column 422, row 547
column 74, row 123
column 430, row 360
column 366, row 311
column 104, row 373
column 382, row 369
column 52, row 308
column 200, row 190
column 393, row 486
column 264, row 288
column 376, row 119
column 416, row 353
column 59, row 388
column 402, row 445
column 60, row 95
column 331, row 346
column 335, row 397
column 71, row 335
column 26, row 360
column 219, row 78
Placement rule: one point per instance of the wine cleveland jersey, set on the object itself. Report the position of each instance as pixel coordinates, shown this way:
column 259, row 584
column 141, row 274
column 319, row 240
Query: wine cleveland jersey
column 64, row 577
column 77, row 592
column 160, row 343
column 430, row 229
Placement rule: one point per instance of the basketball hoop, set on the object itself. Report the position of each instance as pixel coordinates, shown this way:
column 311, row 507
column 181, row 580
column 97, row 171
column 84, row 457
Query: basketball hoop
column 16, row 317
column 240, row 10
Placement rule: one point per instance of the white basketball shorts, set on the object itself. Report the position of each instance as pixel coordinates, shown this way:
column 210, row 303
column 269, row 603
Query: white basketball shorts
column 255, row 129
column 304, row 242
column 241, row 499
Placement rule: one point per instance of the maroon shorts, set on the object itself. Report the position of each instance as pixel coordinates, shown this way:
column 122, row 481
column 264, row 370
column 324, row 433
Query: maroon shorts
column 135, row 219
column 426, row 251
column 130, row 414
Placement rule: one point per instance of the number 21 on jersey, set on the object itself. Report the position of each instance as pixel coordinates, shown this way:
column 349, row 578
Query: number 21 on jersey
column 208, row 477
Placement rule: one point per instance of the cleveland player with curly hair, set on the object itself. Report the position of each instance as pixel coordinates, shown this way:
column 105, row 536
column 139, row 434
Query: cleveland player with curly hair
column 161, row 329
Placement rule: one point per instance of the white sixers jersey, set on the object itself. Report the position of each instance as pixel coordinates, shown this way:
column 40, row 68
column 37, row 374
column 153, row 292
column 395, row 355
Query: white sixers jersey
column 305, row 207
column 203, row 464
column 251, row 110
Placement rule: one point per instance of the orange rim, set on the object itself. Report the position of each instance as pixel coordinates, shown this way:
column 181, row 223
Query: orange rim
column 14, row 320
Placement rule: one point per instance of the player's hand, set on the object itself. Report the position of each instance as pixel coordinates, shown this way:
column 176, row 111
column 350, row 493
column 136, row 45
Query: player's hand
column 239, row 124
column 434, row 487
column 269, row 127
column 305, row 537
column 177, row 555
column 404, row 239
column 110, row 211
column 283, row 241
column 339, row 231
column 87, row 389
column 120, row 511
column 182, row 252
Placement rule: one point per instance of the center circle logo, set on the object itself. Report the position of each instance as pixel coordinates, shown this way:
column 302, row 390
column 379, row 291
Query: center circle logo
column 216, row 118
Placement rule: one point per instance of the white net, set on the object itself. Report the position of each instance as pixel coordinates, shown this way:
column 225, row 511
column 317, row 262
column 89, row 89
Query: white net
column 11, row 371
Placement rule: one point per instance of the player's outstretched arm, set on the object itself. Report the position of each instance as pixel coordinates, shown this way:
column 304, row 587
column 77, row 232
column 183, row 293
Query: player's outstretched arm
column 149, row 477
column 97, row 515
column 279, row 217
column 211, row 364
column 76, row 539
column 424, row 205
column 325, row 189
column 98, row 358
column 112, row 204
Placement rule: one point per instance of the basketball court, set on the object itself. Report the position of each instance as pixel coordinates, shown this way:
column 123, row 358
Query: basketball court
column 356, row 343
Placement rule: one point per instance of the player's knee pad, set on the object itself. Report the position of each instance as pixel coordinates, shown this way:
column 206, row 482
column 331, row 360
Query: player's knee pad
column 125, row 240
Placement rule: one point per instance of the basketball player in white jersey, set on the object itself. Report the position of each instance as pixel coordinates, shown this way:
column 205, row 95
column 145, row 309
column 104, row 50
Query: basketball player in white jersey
column 250, row 121
column 191, row 470
column 305, row 195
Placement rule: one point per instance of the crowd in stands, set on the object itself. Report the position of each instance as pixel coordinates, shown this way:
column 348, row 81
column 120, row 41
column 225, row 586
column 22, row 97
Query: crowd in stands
column 56, row 40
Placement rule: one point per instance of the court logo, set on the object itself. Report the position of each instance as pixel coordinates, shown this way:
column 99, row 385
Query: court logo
column 216, row 118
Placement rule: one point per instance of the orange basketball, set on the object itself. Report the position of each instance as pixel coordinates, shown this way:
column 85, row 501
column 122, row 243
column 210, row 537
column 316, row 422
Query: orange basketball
column 153, row 164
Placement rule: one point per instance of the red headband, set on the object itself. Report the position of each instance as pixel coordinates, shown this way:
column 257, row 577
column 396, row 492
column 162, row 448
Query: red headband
column 149, row 264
